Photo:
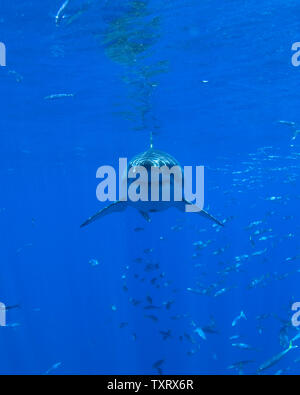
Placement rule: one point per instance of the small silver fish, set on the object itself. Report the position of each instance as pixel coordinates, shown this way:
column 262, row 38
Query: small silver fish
column 59, row 96
column 54, row 367
column 59, row 16
column 237, row 319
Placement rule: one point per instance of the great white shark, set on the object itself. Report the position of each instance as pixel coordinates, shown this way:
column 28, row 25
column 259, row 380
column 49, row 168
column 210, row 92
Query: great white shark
column 148, row 159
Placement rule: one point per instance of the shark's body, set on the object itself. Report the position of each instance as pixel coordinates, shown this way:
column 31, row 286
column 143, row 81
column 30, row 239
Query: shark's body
column 148, row 159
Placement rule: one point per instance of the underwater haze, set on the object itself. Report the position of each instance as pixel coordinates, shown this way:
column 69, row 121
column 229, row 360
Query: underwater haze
column 87, row 82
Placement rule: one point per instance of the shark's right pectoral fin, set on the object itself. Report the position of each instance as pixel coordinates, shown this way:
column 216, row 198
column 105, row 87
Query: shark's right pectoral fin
column 211, row 218
column 112, row 208
column 203, row 213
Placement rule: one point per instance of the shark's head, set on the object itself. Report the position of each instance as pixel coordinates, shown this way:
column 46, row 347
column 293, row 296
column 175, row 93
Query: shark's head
column 153, row 158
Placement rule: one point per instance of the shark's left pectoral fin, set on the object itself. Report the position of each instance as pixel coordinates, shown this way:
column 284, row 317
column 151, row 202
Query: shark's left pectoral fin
column 203, row 213
column 112, row 208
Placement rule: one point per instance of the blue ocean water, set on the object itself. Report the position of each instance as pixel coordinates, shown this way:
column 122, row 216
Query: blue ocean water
column 86, row 82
